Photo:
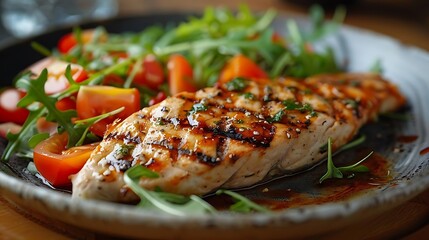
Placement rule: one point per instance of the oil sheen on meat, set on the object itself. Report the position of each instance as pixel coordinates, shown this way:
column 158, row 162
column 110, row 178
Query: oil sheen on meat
column 235, row 134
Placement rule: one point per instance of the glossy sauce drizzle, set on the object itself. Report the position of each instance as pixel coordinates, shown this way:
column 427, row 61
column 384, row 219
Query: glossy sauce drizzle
column 279, row 194
column 407, row 139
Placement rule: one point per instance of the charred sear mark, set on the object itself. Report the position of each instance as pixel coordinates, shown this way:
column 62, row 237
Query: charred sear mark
column 173, row 146
column 221, row 148
column 201, row 157
column 126, row 138
column 120, row 164
column 168, row 143
column 259, row 133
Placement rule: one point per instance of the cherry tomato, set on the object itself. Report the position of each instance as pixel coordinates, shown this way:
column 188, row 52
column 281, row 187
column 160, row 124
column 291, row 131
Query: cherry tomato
column 241, row 66
column 9, row 111
column 151, row 73
column 56, row 163
column 157, row 99
column 57, row 80
column 69, row 41
column 113, row 80
column 68, row 103
column 180, row 75
column 95, row 100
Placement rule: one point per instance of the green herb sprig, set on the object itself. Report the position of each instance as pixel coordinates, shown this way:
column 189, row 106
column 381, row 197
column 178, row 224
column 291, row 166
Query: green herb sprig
column 242, row 204
column 338, row 172
column 164, row 202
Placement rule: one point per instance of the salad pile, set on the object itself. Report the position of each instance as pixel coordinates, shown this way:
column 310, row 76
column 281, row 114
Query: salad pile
column 64, row 103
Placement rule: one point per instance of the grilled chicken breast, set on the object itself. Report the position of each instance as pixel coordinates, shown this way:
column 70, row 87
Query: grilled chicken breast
column 235, row 134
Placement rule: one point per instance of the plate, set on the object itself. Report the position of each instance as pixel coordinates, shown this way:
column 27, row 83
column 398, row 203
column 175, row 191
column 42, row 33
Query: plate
column 403, row 143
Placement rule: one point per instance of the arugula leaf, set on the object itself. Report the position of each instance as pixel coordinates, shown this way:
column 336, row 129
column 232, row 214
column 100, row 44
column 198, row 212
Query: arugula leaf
column 18, row 142
column 322, row 27
column 36, row 93
column 242, row 204
column 162, row 202
column 338, row 172
column 41, row 49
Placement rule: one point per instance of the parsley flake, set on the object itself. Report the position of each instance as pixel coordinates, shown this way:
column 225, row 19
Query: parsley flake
column 197, row 107
column 237, row 84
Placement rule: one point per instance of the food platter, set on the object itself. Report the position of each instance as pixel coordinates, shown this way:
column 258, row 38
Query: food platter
column 357, row 49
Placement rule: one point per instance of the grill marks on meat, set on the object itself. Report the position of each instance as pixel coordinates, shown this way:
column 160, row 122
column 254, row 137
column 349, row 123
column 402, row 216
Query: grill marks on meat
column 214, row 138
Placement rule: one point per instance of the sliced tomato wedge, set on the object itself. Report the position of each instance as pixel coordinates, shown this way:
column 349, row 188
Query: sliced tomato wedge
column 68, row 103
column 180, row 75
column 96, row 100
column 56, row 163
column 241, row 66
column 9, row 111
column 57, row 80
column 69, row 41
column 151, row 73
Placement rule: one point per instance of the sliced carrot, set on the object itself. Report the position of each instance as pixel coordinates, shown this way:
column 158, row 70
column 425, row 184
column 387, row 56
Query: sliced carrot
column 241, row 66
column 180, row 75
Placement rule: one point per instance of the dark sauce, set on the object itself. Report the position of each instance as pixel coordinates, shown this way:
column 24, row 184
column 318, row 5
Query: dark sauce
column 304, row 189
column 407, row 139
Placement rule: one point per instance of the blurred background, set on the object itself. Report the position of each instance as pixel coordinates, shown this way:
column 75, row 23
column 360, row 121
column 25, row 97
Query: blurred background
column 406, row 20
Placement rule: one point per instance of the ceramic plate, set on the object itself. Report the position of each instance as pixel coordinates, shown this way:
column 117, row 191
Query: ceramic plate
column 402, row 143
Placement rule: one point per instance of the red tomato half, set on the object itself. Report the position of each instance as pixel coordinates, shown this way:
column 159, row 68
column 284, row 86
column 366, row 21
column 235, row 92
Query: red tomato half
column 56, row 163
column 68, row 103
column 57, row 80
column 180, row 75
column 241, row 66
column 9, row 112
column 96, row 100
column 151, row 73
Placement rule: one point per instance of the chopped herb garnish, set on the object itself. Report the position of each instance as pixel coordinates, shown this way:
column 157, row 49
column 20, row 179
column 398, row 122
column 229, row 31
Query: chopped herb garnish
column 277, row 117
column 292, row 105
column 160, row 121
column 350, row 103
column 239, row 121
column 197, row 107
column 249, row 96
column 237, row 84
column 123, row 150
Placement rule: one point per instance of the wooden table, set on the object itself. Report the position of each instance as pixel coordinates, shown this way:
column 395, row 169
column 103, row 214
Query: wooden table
column 402, row 19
